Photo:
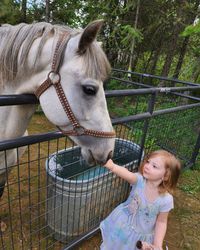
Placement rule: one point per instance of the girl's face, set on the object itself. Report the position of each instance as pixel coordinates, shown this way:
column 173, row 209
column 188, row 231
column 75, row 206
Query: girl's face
column 154, row 169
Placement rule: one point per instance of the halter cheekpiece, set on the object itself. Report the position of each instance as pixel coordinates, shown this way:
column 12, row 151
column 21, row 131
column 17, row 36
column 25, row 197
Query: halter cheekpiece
column 54, row 79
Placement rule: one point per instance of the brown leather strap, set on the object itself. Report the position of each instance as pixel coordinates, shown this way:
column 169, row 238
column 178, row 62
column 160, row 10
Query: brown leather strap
column 43, row 87
column 56, row 63
column 82, row 131
column 58, row 54
column 65, row 104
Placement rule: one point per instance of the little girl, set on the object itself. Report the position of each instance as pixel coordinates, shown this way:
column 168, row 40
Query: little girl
column 143, row 216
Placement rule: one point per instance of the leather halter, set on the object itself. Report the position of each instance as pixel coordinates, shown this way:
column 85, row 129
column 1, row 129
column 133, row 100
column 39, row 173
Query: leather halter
column 54, row 79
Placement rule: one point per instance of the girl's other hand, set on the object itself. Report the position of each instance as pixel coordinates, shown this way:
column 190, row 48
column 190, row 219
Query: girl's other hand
column 147, row 246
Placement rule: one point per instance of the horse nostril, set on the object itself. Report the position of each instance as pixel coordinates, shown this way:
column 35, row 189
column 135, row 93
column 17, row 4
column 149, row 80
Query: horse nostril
column 110, row 155
column 93, row 160
column 100, row 160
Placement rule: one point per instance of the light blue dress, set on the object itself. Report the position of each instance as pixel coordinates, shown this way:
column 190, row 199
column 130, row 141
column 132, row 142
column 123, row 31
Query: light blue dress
column 134, row 219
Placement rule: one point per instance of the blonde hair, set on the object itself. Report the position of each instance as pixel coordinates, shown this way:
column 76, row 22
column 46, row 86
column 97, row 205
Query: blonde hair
column 172, row 166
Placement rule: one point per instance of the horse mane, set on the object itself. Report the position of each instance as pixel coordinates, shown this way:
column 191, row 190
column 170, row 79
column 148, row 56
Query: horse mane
column 16, row 41
column 96, row 62
column 11, row 40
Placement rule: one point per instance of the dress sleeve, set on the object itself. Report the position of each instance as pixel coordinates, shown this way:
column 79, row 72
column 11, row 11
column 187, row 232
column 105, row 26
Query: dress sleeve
column 140, row 180
column 167, row 204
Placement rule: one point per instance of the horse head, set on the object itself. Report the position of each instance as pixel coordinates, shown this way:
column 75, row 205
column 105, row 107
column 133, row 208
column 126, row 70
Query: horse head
column 72, row 69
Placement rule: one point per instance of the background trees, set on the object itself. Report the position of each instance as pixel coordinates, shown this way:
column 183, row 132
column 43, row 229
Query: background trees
column 148, row 36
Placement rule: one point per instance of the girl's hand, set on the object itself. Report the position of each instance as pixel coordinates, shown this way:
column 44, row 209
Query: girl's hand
column 109, row 164
column 147, row 246
column 122, row 172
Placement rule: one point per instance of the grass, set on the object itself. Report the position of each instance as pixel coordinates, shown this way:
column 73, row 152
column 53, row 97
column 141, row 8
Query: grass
column 190, row 182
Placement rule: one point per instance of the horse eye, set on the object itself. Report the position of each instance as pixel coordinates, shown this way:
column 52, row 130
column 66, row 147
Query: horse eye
column 89, row 89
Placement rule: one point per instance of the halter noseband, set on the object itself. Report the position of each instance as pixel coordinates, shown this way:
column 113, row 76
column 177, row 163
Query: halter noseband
column 54, row 79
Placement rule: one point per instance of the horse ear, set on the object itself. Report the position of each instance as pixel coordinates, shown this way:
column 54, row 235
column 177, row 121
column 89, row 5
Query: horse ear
column 89, row 34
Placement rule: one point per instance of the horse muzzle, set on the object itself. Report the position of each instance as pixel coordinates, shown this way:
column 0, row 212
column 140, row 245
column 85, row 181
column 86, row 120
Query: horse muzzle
column 93, row 158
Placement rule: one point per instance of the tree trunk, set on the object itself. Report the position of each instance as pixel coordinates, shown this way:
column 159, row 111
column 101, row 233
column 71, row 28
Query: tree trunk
column 174, row 39
column 136, row 60
column 23, row 11
column 154, row 61
column 196, row 76
column 133, row 41
column 181, row 57
column 47, row 13
column 170, row 54
column 190, row 20
column 148, row 61
column 155, row 57
column 196, row 71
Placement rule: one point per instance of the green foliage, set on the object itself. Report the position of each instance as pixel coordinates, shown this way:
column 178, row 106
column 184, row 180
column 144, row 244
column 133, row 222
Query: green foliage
column 128, row 33
column 9, row 12
column 67, row 12
column 192, row 182
column 126, row 106
column 192, row 30
column 157, row 30
column 123, row 35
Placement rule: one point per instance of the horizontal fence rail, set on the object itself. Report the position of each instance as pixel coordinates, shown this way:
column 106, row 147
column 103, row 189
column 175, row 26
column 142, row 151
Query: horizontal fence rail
column 29, row 99
column 6, row 100
column 29, row 139
column 149, row 115
column 140, row 84
column 155, row 77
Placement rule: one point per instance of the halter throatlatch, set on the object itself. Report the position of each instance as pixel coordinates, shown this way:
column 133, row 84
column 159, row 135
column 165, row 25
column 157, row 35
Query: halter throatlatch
column 54, row 79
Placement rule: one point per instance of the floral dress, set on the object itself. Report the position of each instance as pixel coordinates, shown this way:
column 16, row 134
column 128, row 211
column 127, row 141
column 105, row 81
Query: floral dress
column 134, row 219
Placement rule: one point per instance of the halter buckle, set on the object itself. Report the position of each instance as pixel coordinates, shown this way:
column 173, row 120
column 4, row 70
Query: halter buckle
column 54, row 77
column 79, row 130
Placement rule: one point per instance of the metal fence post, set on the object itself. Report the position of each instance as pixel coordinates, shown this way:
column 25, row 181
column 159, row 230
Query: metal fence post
column 146, row 125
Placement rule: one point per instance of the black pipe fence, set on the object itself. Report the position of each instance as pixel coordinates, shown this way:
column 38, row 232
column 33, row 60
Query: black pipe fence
column 53, row 200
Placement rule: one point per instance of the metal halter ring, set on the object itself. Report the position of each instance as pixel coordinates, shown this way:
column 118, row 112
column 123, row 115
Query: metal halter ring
column 54, row 77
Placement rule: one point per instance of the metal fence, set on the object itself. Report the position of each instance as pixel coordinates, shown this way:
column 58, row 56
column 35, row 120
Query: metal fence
column 53, row 200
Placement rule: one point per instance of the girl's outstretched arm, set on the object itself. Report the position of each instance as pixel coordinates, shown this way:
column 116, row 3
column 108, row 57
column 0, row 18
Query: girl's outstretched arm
column 123, row 172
